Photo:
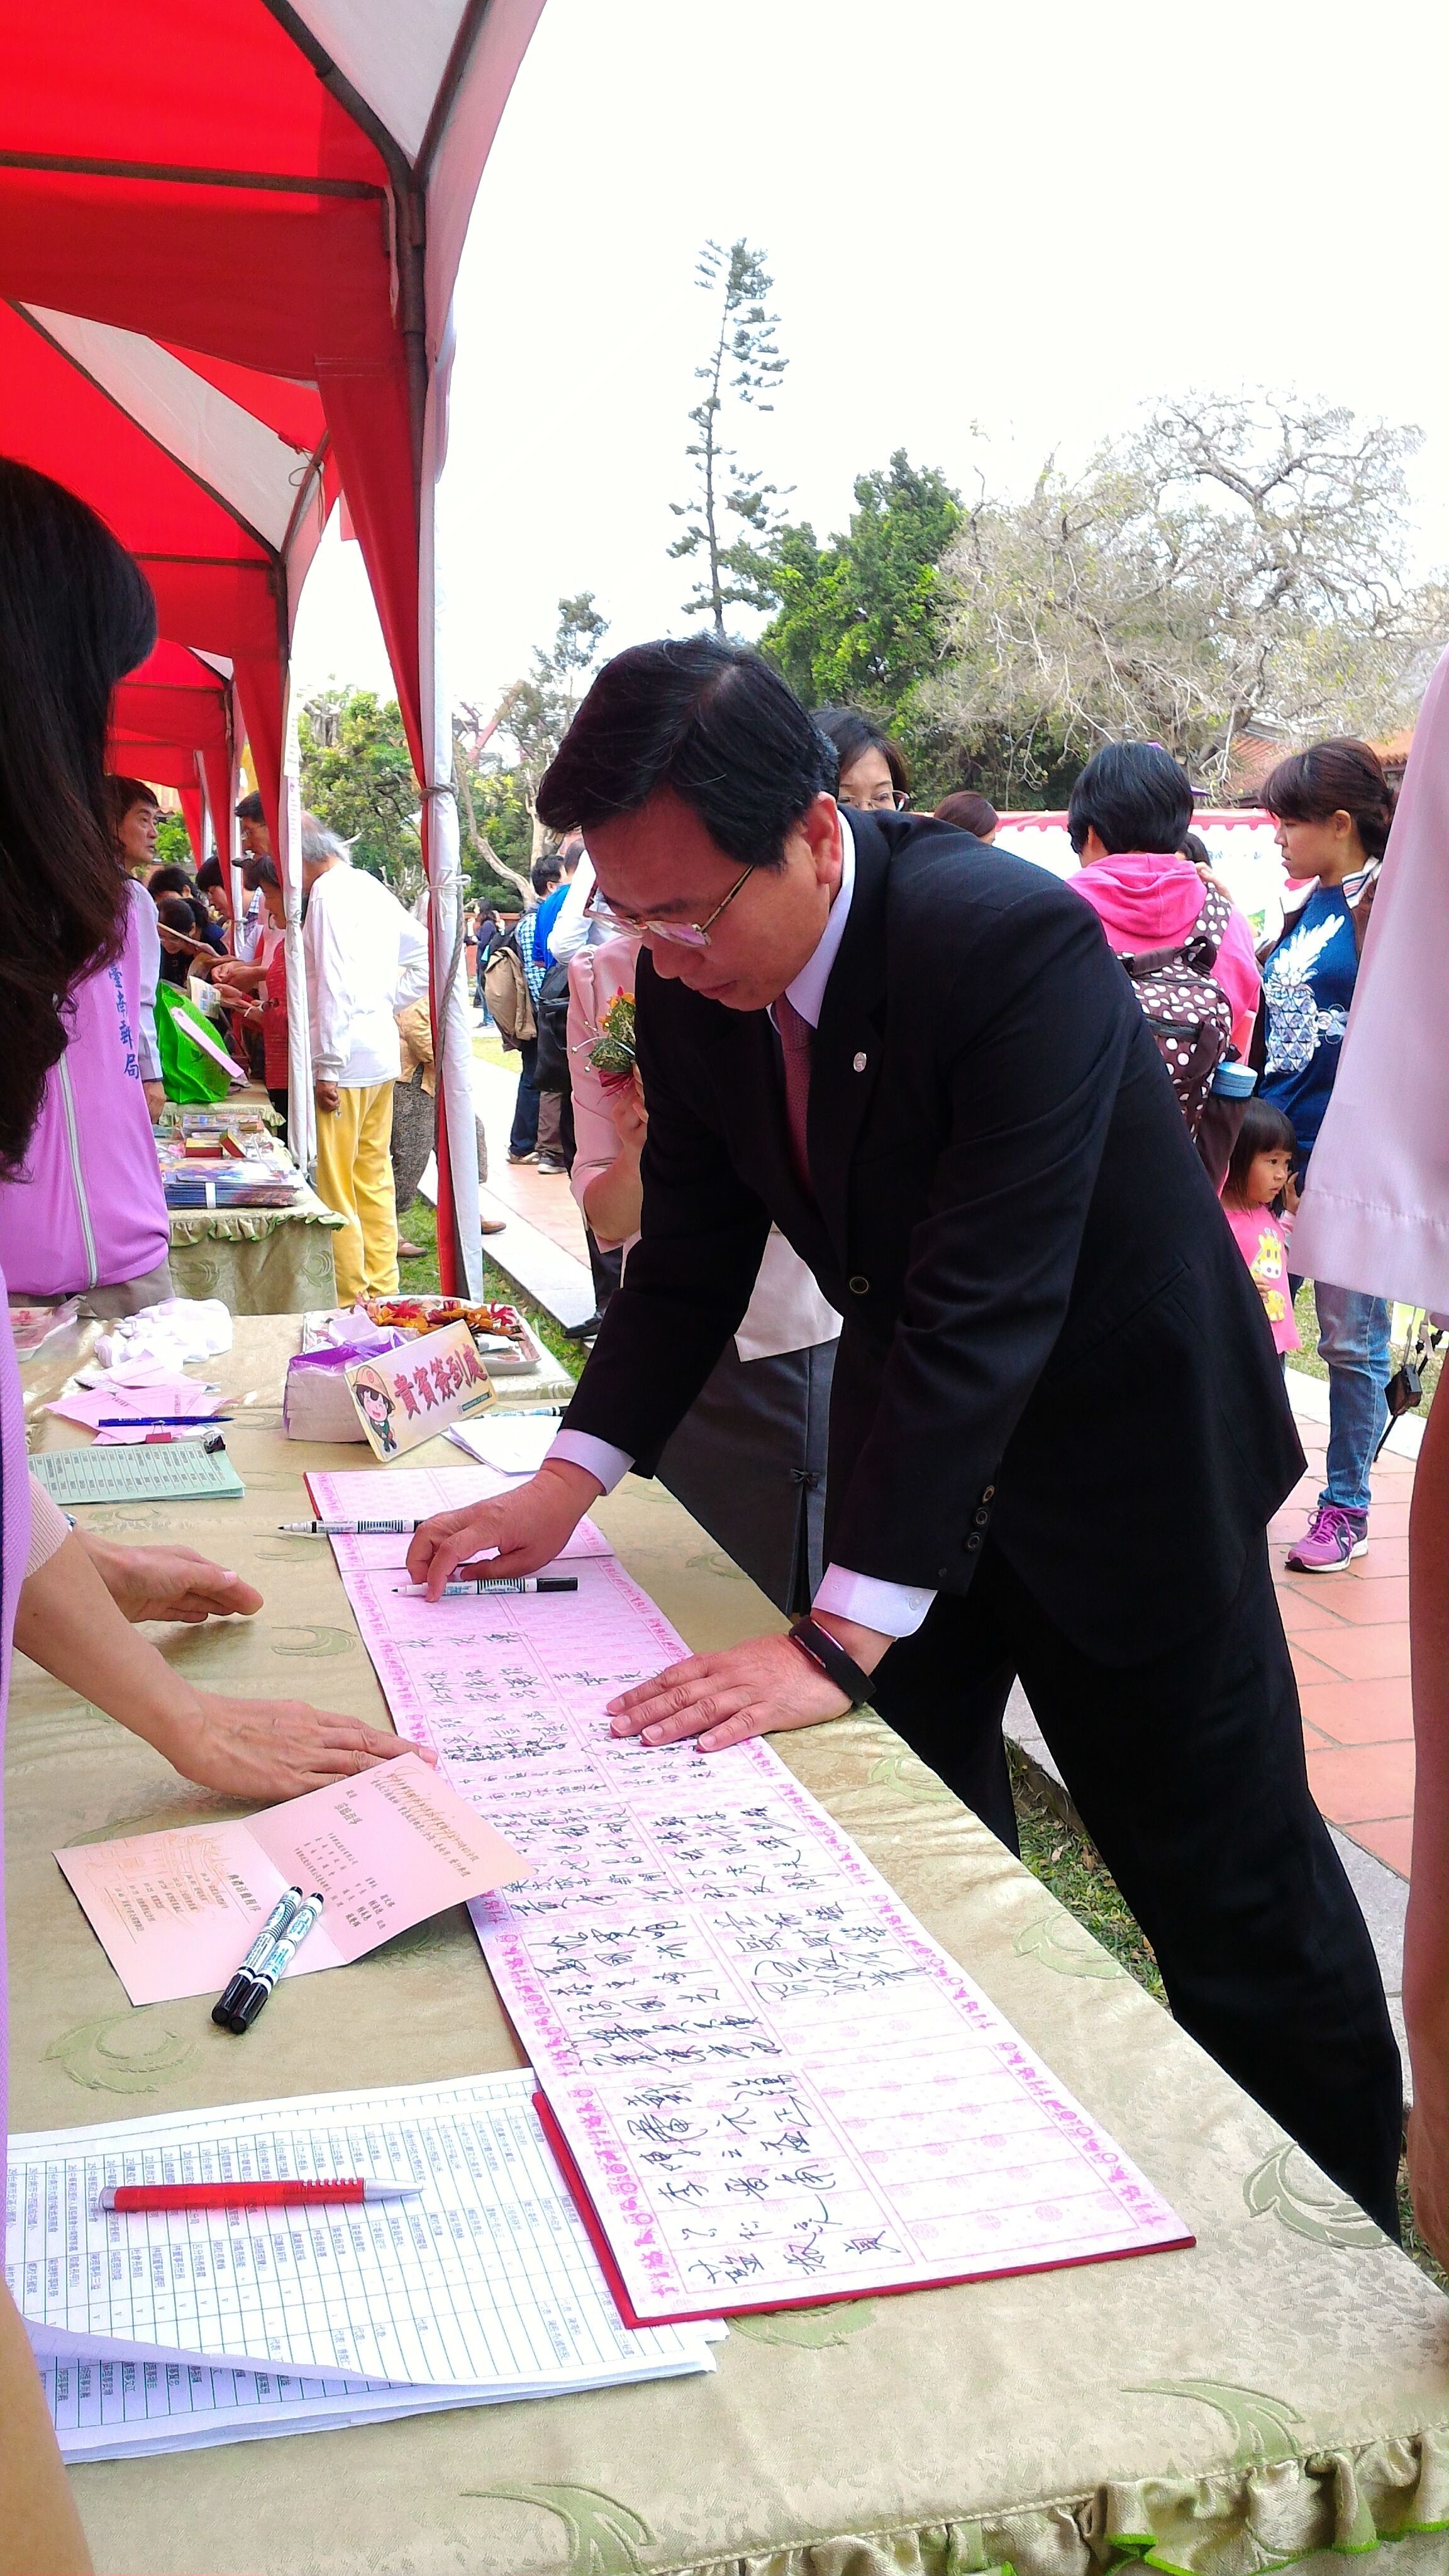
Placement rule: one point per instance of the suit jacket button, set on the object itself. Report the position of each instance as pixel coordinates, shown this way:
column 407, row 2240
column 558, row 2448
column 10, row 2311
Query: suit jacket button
column 857, row 1063
column 858, row 1287
column 972, row 1543
column 986, row 1492
column 981, row 1518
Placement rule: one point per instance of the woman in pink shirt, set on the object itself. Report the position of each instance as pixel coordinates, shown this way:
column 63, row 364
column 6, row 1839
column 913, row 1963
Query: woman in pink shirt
column 1129, row 814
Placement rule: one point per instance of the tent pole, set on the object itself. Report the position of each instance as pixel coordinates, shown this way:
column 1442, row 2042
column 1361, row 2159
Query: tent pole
column 301, row 1107
column 460, row 1258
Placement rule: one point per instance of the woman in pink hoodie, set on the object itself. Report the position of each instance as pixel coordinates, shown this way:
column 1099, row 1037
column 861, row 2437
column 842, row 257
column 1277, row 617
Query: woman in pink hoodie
column 1129, row 814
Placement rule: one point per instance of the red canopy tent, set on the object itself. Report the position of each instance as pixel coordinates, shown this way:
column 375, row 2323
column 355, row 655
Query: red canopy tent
column 172, row 722
column 228, row 239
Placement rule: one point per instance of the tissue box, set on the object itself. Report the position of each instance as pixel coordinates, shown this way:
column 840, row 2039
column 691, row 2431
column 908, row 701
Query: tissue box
column 316, row 1404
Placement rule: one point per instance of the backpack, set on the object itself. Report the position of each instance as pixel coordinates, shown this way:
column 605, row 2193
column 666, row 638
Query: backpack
column 551, row 1071
column 508, row 995
column 1190, row 1017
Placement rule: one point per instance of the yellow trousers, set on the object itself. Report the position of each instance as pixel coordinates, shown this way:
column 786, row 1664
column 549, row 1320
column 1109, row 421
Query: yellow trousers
column 354, row 1176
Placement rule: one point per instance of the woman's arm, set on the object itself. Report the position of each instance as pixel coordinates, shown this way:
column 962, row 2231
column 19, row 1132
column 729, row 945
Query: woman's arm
column 613, row 1199
column 67, row 1622
column 1426, row 1924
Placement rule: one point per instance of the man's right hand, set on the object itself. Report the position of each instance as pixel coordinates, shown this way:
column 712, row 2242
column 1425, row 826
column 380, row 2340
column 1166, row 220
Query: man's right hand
column 528, row 1528
column 328, row 1098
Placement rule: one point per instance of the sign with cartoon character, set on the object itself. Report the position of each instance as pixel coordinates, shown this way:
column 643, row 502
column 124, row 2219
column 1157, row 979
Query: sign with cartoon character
column 410, row 1394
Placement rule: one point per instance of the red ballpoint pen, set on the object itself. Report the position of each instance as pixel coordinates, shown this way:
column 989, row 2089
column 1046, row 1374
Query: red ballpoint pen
column 125, row 2196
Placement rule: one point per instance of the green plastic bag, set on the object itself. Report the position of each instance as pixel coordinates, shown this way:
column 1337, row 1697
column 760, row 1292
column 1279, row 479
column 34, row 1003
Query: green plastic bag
column 195, row 1065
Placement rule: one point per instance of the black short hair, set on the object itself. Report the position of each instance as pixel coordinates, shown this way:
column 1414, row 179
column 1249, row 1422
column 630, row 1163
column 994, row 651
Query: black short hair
column 168, row 880
column 710, row 722
column 260, row 872
column 250, row 809
column 122, row 794
column 1265, row 1130
column 1134, row 796
column 209, row 874
column 850, row 733
column 544, row 875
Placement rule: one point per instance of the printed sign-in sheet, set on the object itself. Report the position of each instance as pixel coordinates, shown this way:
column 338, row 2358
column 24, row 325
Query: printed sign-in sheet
column 773, row 2084
column 175, row 1911
column 485, row 2281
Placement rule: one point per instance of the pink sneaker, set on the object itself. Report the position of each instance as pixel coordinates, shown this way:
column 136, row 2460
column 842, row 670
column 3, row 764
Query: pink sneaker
column 1333, row 1536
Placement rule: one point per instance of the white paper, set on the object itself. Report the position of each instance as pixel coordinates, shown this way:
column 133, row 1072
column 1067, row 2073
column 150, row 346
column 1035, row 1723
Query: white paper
column 483, row 2287
column 516, row 1444
column 774, row 2083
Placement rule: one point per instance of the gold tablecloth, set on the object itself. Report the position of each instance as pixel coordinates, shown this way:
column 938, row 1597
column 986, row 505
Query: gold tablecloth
column 259, row 1261
column 1277, row 2393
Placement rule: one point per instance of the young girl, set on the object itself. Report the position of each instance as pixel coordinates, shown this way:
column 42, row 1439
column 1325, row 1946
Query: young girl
column 1259, row 1176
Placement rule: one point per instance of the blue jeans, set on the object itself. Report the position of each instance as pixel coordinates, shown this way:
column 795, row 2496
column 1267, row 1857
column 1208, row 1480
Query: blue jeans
column 525, row 1108
column 1353, row 1339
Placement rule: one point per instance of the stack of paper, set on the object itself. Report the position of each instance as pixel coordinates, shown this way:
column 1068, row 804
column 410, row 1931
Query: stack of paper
column 165, row 2332
column 768, row 2081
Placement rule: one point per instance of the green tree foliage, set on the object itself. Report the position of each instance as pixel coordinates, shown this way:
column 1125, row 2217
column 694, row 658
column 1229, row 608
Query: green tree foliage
column 1233, row 560
column 743, row 364
column 858, row 620
column 539, row 708
column 357, row 777
column 173, row 843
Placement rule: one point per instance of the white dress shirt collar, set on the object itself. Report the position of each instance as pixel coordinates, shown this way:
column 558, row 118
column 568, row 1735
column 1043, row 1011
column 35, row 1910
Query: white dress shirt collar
column 808, row 990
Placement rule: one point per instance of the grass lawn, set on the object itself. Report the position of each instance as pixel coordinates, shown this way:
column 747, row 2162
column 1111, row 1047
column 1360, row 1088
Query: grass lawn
column 1063, row 1858
column 420, row 1279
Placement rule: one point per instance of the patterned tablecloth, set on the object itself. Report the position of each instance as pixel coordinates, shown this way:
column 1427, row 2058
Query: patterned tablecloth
column 259, row 1261
column 1274, row 2395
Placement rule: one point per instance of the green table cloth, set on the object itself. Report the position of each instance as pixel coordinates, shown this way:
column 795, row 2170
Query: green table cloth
column 1275, row 2396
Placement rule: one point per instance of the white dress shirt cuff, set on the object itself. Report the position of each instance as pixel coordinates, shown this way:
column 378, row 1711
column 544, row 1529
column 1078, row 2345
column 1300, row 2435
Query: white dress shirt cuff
column 892, row 1609
column 600, row 1457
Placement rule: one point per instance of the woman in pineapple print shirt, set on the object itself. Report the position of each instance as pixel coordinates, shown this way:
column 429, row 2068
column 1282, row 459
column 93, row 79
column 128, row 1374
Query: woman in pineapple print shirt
column 1333, row 806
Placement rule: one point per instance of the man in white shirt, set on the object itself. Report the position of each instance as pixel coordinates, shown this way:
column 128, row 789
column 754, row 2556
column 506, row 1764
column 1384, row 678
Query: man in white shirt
column 365, row 956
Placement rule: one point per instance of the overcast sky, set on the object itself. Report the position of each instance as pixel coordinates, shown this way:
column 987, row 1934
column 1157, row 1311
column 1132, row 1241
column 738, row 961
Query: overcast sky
column 993, row 233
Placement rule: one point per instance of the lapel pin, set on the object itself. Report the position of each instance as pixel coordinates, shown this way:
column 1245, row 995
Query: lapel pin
column 858, row 1063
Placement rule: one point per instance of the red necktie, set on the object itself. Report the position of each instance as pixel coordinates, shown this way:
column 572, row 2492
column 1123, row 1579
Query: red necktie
column 795, row 1037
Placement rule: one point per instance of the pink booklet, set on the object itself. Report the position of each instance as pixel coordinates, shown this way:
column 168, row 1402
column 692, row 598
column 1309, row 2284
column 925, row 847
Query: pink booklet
column 175, row 1912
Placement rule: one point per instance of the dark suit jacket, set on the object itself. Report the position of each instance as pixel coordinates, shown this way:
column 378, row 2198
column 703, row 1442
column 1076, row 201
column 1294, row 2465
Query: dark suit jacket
column 1049, row 1329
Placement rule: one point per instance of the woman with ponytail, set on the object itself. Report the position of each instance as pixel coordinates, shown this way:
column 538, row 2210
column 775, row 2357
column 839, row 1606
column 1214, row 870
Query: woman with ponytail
column 1333, row 807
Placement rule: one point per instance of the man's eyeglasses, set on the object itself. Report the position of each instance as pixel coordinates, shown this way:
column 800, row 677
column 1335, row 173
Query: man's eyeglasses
column 683, row 934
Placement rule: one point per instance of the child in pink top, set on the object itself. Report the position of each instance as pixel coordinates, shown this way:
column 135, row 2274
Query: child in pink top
column 1260, row 1177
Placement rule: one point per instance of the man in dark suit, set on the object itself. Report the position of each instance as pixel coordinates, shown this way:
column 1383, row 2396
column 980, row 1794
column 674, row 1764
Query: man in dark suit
column 1058, row 1427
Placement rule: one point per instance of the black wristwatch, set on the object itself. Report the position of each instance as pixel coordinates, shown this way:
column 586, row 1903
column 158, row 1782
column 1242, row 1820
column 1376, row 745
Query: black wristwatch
column 829, row 1657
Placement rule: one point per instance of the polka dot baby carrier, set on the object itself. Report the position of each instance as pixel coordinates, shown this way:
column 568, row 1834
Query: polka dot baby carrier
column 1189, row 1015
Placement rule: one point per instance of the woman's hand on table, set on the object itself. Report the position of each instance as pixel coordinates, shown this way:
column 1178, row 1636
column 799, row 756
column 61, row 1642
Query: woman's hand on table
column 273, row 1748
column 527, row 1528
column 169, row 1583
column 67, row 1622
column 759, row 1688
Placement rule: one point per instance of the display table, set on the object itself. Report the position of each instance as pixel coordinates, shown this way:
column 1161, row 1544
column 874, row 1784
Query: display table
column 1277, row 2392
column 259, row 1261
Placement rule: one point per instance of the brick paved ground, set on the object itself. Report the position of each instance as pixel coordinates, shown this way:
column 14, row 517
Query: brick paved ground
column 1349, row 1634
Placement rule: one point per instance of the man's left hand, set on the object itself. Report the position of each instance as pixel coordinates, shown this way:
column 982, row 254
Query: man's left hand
column 155, row 1099
column 170, row 1583
column 758, row 1688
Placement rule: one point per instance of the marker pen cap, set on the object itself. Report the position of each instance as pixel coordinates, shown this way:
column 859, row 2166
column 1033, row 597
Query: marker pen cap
column 248, row 2004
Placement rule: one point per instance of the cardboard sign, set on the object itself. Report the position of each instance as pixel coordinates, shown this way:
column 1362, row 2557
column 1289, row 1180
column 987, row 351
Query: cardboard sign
column 408, row 1395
